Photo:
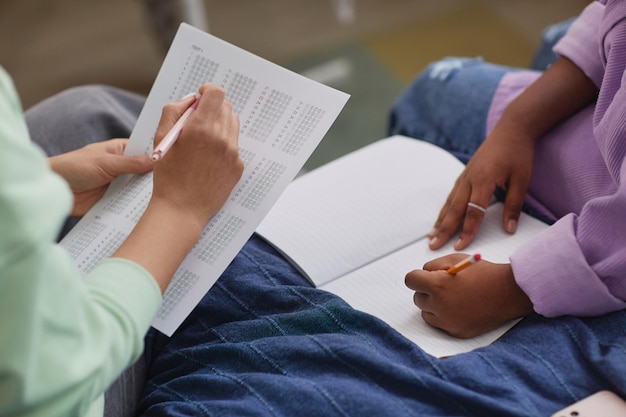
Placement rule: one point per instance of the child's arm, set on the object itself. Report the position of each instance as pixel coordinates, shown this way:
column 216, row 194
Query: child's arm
column 505, row 159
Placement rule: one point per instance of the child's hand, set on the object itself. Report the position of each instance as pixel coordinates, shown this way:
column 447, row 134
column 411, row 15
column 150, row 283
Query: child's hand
column 504, row 160
column 506, row 157
column 474, row 301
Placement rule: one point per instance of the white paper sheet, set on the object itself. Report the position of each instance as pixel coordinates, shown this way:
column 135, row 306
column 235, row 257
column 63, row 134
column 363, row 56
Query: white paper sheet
column 357, row 226
column 379, row 289
column 361, row 207
column 283, row 118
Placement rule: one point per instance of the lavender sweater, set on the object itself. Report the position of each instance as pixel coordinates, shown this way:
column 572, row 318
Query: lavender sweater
column 578, row 265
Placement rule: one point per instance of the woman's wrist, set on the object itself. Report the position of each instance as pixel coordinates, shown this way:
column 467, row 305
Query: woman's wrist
column 162, row 239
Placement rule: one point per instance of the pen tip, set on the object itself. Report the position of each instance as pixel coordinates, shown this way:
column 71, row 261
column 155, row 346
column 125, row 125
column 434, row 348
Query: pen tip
column 477, row 257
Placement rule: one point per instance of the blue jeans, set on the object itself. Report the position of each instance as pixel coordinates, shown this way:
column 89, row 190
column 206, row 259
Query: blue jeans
column 447, row 104
column 263, row 342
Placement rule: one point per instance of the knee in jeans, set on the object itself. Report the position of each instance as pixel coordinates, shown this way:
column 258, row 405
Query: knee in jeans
column 84, row 92
column 552, row 34
column 445, row 69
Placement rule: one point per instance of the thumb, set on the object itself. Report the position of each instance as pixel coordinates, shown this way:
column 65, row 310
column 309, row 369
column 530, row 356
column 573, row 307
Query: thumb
column 419, row 280
column 170, row 114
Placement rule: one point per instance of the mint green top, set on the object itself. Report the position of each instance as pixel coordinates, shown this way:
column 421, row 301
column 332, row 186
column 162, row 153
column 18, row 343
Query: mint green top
column 64, row 338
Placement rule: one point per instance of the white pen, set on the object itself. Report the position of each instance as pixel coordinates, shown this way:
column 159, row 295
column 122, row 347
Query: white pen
column 171, row 136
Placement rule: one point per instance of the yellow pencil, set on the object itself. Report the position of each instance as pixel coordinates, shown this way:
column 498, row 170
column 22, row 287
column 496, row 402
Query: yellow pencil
column 464, row 264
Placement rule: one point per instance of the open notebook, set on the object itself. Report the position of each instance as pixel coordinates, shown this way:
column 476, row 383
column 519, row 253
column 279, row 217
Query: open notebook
column 357, row 225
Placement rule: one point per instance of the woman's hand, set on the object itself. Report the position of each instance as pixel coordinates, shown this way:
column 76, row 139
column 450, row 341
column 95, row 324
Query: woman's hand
column 474, row 301
column 90, row 170
column 191, row 183
column 202, row 167
column 504, row 160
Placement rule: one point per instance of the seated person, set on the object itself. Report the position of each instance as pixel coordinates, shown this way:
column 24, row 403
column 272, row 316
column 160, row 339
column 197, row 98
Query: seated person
column 264, row 342
column 554, row 140
column 66, row 338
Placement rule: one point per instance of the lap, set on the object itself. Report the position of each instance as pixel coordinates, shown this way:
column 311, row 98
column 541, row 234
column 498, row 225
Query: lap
column 82, row 115
column 265, row 342
column 447, row 103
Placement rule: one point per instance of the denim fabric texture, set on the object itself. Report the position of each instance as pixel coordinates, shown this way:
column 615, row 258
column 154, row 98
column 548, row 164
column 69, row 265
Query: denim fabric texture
column 447, row 104
column 263, row 342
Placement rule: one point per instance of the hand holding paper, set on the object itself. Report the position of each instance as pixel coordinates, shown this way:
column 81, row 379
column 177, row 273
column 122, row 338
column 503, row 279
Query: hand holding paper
column 283, row 117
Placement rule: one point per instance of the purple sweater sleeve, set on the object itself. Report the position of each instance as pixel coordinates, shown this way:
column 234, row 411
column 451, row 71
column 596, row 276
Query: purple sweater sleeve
column 578, row 266
column 580, row 43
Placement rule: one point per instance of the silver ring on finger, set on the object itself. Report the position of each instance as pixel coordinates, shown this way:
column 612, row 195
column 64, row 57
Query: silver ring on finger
column 477, row 207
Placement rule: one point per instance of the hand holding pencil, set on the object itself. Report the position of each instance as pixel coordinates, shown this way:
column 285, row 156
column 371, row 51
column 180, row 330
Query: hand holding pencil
column 470, row 260
column 166, row 143
column 480, row 299
column 192, row 178
column 196, row 154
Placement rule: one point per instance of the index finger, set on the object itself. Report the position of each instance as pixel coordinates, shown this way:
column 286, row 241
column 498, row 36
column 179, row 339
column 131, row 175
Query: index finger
column 450, row 217
column 211, row 99
column 170, row 115
column 475, row 210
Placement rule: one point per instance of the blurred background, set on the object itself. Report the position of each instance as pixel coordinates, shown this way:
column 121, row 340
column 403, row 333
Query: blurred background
column 370, row 49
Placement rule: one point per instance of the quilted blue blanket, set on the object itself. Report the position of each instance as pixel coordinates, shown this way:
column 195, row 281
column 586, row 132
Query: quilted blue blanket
column 263, row 342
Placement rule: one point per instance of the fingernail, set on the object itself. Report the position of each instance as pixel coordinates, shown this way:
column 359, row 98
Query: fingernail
column 511, row 226
column 458, row 242
column 188, row 96
column 433, row 241
column 432, row 232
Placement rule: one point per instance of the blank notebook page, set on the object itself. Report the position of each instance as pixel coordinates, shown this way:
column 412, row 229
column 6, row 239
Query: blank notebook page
column 379, row 288
column 361, row 207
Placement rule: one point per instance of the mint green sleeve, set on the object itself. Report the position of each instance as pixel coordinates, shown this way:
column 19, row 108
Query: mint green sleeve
column 64, row 338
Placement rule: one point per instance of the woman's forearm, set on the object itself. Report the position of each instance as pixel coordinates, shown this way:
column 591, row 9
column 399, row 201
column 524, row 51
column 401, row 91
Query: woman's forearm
column 190, row 184
column 161, row 240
